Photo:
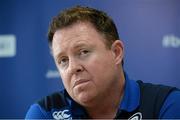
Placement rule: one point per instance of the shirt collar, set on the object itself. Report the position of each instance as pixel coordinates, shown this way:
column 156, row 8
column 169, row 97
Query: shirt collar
column 77, row 110
column 131, row 96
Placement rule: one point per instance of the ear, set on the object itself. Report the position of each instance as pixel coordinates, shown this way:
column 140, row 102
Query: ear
column 118, row 51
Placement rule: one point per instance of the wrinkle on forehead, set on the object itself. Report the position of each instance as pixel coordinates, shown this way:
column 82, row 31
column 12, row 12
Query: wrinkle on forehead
column 71, row 43
column 74, row 30
column 69, row 36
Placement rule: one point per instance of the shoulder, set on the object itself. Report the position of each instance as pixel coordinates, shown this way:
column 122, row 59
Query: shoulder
column 156, row 100
column 56, row 100
column 171, row 106
column 43, row 107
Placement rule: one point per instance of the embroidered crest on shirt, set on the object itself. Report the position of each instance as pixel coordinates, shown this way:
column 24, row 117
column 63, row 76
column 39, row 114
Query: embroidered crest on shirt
column 62, row 115
column 136, row 116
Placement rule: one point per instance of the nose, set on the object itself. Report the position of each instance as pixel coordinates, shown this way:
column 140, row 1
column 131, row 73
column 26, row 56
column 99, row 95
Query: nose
column 75, row 66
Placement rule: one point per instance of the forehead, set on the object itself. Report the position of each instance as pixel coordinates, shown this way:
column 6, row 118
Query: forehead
column 81, row 33
column 75, row 30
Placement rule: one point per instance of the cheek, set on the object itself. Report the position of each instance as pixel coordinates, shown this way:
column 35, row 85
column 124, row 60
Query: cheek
column 101, row 66
column 66, row 80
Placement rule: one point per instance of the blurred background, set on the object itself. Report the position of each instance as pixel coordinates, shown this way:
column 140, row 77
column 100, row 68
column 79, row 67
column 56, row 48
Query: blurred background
column 150, row 30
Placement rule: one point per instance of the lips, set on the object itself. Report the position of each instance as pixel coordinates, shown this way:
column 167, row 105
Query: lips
column 79, row 82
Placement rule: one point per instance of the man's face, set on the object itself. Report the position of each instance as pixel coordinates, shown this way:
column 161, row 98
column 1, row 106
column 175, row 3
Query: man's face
column 87, row 67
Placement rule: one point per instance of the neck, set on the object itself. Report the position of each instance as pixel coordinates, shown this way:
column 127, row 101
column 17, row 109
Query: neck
column 107, row 106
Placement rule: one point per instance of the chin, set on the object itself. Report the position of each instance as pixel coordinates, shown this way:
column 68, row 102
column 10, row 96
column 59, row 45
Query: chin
column 85, row 99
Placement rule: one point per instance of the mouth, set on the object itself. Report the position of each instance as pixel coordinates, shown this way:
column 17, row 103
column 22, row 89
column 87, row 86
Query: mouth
column 80, row 82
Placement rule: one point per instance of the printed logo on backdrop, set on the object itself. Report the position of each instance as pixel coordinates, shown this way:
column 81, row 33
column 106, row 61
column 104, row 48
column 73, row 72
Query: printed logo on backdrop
column 62, row 115
column 171, row 41
column 51, row 74
column 7, row 46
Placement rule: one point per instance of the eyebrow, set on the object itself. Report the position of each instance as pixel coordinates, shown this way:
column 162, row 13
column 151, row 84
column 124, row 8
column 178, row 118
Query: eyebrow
column 58, row 56
column 80, row 45
column 77, row 46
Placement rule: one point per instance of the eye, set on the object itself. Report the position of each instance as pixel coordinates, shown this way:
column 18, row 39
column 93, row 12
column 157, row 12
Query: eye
column 63, row 61
column 84, row 52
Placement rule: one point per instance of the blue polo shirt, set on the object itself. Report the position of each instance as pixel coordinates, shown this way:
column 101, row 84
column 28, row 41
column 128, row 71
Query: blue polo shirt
column 130, row 102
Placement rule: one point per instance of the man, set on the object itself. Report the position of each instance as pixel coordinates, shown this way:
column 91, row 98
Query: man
column 89, row 56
